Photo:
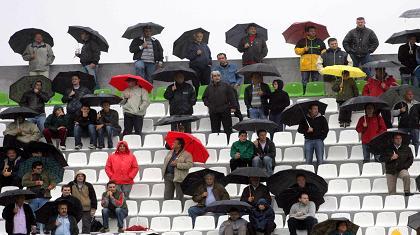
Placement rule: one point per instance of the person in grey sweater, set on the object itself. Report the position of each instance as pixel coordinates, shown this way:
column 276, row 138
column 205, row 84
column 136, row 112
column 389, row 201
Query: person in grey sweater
column 40, row 56
column 302, row 215
column 234, row 225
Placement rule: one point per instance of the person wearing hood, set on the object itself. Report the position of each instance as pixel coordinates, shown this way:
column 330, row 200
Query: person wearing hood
column 9, row 165
column 407, row 57
column 107, row 125
column 56, row 126
column 346, row 88
column 89, row 55
column 121, row 167
column 255, row 191
column 85, row 192
column 40, row 56
column 302, row 215
column 341, row 229
column 265, row 151
column 35, row 99
column 234, row 225
column 279, row 100
column 20, row 132
column 261, row 218
column 241, row 152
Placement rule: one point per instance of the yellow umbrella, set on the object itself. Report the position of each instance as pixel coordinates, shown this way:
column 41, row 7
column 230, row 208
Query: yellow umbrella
column 337, row 70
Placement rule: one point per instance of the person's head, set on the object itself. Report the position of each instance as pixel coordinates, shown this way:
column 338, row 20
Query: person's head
column 243, row 136
column 198, row 36
column 304, row 198
column 38, row 85
column 180, row 127
column 251, row 29
column 11, row 154
column 131, row 82
column 37, row 167
column 301, row 180
column 313, row 110
column 370, row 110
column 380, row 73
column 80, row 177
column 20, row 199
column 20, row 119
column 85, row 108
column 262, row 204
column 179, row 144
column 58, row 111
column 122, row 147
column 397, row 139
column 412, row 39
column 221, row 57
column 216, row 76
column 332, row 43
column 310, row 31
column 38, row 38
column 75, row 80
column 147, row 31
column 278, row 84
column 66, row 190
column 234, row 214
column 111, row 186
column 62, row 209
column 262, row 135
column 341, row 227
column 106, row 106
column 360, row 22
column 254, row 181
column 345, row 74
column 209, row 179
column 256, row 78
column 409, row 95
column 84, row 36
column 179, row 78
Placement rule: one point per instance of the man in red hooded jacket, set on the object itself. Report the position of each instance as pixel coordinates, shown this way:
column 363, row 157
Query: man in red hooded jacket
column 121, row 167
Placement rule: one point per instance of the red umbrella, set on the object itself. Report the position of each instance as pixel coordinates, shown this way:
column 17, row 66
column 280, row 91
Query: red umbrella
column 119, row 82
column 296, row 31
column 192, row 145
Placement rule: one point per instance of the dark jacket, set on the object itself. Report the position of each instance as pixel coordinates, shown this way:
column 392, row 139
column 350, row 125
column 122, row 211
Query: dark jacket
column 110, row 119
column 85, row 121
column 157, row 49
column 182, row 100
column 319, row 124
column 347, row 90
column 360, row 42
column 13, row 167
column 219, row 192
column 403, row 162
column 76, row 205
column 53, row 122
column 90, row 53
column 279, row 100
column 201, row 61
column 334, row 57
column 92, row 194
column 407, row 58
column 260, row 192
column 74, row 230
column 269, row 150
column 8, row 215
column 219, row 97
column 410, row 118
column 34, row 101
column 262, row 220
column 264, row 97
column 255, row 53
column 73, row 102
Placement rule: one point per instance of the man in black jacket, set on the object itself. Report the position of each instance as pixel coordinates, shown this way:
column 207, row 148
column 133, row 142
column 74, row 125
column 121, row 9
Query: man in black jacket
column 256, row 97
column 279, row 100
column 76, row 205
column 73, row 95
column 9, row 165
column 148, row 54
column 108, row 123
column 63, row 223
column 181, row 97
column 89, row 55
column 35, row 99
column 22, row 212
column 255, row 191
column 85, row 122
column 266, row 152
column 407, row 57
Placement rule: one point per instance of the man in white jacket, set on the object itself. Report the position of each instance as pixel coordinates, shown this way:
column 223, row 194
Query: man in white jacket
column 135, row 102
column 40, row 56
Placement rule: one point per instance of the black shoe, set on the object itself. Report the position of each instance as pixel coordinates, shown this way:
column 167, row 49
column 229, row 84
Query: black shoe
column 341, row 124
column 408, row 194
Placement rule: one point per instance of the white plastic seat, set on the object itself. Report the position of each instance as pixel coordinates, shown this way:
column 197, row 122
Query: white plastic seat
column 400, row 185
column 224, row 156
column 414, row 168
column 77, row 159
column 278, row 220
column 55, row 193
column 67, row 176
column 348, row 137
column 155, row 110
column 166, row 233
column 283, row 139
column 379, row 185
column 152, row 175
column 164, row 129
column 160, row 224
column 321, row 217
column 341, row 215
column 199, row 109
column 332, row 104
column 140, row 191
column 8, row 188
column 279, row 155
column 402, row 229
column 293, row 154
column 133, row 141
column 212, row 156
column 194, row 233
column 281, row 168
column 372, row 203
column 356, row 152
column 159, row 156
column 350, row 203
column 204, row 223
column 333, row 122
column 306, row 167
column 201, row 137
column 299, row 139
column 2, row 128
column 394, row 202
column 375, row 230
column 355, row 118
column 99, row 189
column 337, row 153
column 232, row 139
column 327, row 171
column 338, row 186
column 386, row 219
column 103, row 177
column 232, row 189
column 331, row 138
column 372, row 169
column 90, row 175
column 97, row 159
column 205, row 124
column 182, row 224
column 403, row 220
column 359, row 186
column 132, row 207
column 187, row 204
column 157, row 191
column 414, row 202
column 171, row 207
column 330, row 204
column 220, row 169
column 349, row 170
column 364, row 219
column 217, row 140
column 143, row 157
column 147, row 126
column 195, row 168
column 221, row 219
column 153, row 141
column 149, row 208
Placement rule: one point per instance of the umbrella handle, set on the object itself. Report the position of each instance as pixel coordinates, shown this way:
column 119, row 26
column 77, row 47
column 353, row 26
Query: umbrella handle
column 304, row 116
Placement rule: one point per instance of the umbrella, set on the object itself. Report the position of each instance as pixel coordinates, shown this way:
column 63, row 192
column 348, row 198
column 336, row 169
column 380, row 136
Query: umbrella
column 413, row 13
column 358, row 103
column 183, row 43
column 237, row 32
column 290, row 196
column 396, row 93
column 414, row 220
column 256, row 124
column 21, row 39
column 167, row 73
column 50, row 209
column 9, row 197
column 293, row 115
column 62, row 81
column 382, row 64
column 176, row 119
column 26, row 83
column 402, row 37
column 330, row 225
column 241, row 175
column 97, row 100
column 337, row 70
column 296, row 32
column 47, row 150
column 262, row 68
column 14, row 112
column 136, row 31
column 380, row 143
column 192, row 145
column 193, row 180
column 3, row 151
column 224, row 206
column 119, row 82
column 75, row 31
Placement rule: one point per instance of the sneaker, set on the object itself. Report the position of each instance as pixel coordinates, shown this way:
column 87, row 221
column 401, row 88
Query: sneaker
column 408, row 194
column 341, row 124
column 62, row 147
column 104, row 230
column 92, row 146
column 78, row 147
column 120, row 230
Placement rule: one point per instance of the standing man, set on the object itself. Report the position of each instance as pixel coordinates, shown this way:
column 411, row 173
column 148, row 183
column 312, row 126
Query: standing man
column 360, row 43
column 35, row 99
column 85, row 123
column 63, row 223
column 113, row 201
column 89, row 56
column 200, row 60
column 302, row 215
column 9, row 165
column 241, row 152
column 256, row 97
column 40, row 56
column 265, row 151
column 107, row 122
column 19, row 217
column 148, row 54
column 72, row 97
column 407, row 57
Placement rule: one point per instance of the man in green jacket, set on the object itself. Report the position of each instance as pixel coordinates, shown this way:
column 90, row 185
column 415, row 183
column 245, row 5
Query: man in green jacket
column 241, row 152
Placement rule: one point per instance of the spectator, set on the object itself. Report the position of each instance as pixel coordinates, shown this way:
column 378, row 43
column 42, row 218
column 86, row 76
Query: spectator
column 265, row 151
column 35, row 99
column 360, row 43
column 241, row 152
column 121, row 168
column 234, row 225
column 261, row 219
column 302, row 215
column 341, row 229
column 85, row 123
column 40, row 56
column 369, row 126
column 303, row 186
column 135, row 102
column 9, row 164
column 148, row 54
column 20, row 132
column 220, row 99
column 66, row 196
column 346, row 89
column 89, row 55
column 256, row 97
column 85, row 192
column 72, row 97
column 182, row 98
column 314, row 127
column 407, row 57
column 113, row 201
column 200, row 60
column 253, row 48
column 255, row 191
column 332, row 56
column 398, row 158
column 279, row 100
column 309, row 49
column 56, row 126
column 107, row 121
column 63, row 223
column 19, row 217
column 175, row 168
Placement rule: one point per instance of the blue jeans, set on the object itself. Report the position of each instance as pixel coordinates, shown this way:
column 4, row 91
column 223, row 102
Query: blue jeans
column 310, row 146
column 414, row 136
column 265, row 162
column 92, row 71
column 277, row 119
column 109, row 133
column 409, row 79
column 145, row 69
column 257, row 113
column 78, row 131
column 195, row 211
column 39, row 121
column 359, row 61
column 120, row 213
column 308, row 76
column 35, row 204
column 367, row 153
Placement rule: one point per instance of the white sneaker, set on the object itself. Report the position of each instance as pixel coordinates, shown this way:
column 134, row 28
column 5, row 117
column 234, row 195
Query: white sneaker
column 62, row 147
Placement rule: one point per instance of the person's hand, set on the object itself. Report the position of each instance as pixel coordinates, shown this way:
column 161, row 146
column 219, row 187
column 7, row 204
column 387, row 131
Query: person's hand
column 247, row 45
column 251, row 199
column 237, row 155
column 310, row 130
column 99, row 126
column 144, row 45
column 72, row 93
column 7, row 173
column 199, row 52
column 299, row 214
column 403, row 109
column 127, row 95
column 174, row 87
column 394, row 156
column 306, row 48
column 33, row 229
column 232, row 110
column 98, row 116
column 15, row 210
column 33, row 56
column 109, row 193
column 92, row 212
column 204, row 194
column 256, row 143
column 57, row 223
column 19, row 131
column 159, row 65
column 383, row 85
column 51, row 187
column 236, row 86
column 173, row 163
column 92, row 65
column 260, row 93
column 36, row 91
column 39, row 182
column 364, row 124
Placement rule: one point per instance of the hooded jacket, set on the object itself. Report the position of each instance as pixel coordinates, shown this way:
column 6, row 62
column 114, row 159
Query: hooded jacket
column 403, row 162
column 219, row 97
column 346, row 89
column 53, row 122
column 122, row 167
column 73, row 102
column 308, row 59
column 137, row 49
column 318, row 123
column 86, row 121
column 34, row 101
column 407, row 57
column 360, row 42
column 86, row 194
column 182, row 100
column 90, row 53
column 279, row 100
column 255, row 53
column 375, row 126
column 261, row 220
column 44, row 56
column 373, row 86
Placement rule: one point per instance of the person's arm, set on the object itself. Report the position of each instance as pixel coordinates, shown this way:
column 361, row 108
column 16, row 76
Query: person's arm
column 355, row 88
column 300, row 47
column 266, row 91
column 135, row 45
column 118, row 202
column 249, row 151
column 245, row 194
column 293, row 211
column 303, row 126
column 264, row 49
column 169, row 93
column 382, row 126
column 387, row 156
column 24, row 100
column 365, row 91
column 325, row 129
column 347, row 43
column 192, row 52
column 373, row 42
column 410, row 159
column 43, row 96
column 159, row 56
column 66, row 97
column 225, row 195
column 11, row 129
column 114, row 118
column 206, row 97
column 50, row 55
column 51, row 226
column 323, row 48
column 209, row 52
column 319, row 63
column 96, row 53
column 27, row 54
column 134, row 169
column 27, row 180
column 193, row 98
column 336, row 86
column 241, row 46
column 34, row 133
column 233, row 150
column 187, row 164
column 92, row 196
column 248, row 96
column 145, row 101
column 231, row 97
column 108, row 168
column 8, row 213
column 271, row 150
column 198, row 195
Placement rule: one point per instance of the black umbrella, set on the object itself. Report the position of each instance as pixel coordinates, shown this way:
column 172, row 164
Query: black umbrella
column 26, row 83
column 50, row 209
column 237, row 32
column 330, row 225
column 75, row 31
column 9, row 197
column 413, row 13
column 396, row 93
column 21, row 39
column 224, row 206
column 3, row 151
column 46, row 150
column 167, row 73
column 241, row 175
column 62, row 81
column 193, row 180
column 290, row 196
column 402, row 37
column 14, row 112
column 381, row 64
column 176, row 119
column 380, row 143
column 414, row 221
column 256, row 124
column 293, row 115
column 136, row 31
column 182, row 44
column 262, row 68
column 359, row 103
column 97, row 100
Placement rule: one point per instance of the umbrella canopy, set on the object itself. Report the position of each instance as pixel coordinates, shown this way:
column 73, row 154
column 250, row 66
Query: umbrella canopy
column 46, row 150
column 50, row 209
column 380, row 143
column 396, row 94
column 239, row 31
column 176, row 119
column 9, row 197
column 97, row 100
column 358, row 103
column 330, row 225
column 3, row 151
column 136, row 31
column 183, row 43
column 224, row 206
column 337, row 70
column 382, row 64
column 241, row 175
column 21, row 39
column 120, row 82
column 192, row 145
column 167, row 73
column 413, row 13
column 290, row 196
column 193, row 180
column 62, row 81
column 296, row 31
column 256, row 124
column 282, row 180
column 14, row 112
column 75, row 31
column 293, row 115
column 402, row 37
column 26, row 83
column 414, row 221
column 262, row 68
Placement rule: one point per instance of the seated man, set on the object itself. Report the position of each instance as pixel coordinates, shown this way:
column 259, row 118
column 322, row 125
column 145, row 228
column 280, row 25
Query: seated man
column 113, row 203
column 63, row 223
column 75, row 202
column 20, row 132
column 10, row 167
column 56, row 126
column 255, row 191
column 261, row 218
column 234, row 225
column 108, row 123
column 265, row 152
column 84, row 122
column 302, row 215
column 241, row 152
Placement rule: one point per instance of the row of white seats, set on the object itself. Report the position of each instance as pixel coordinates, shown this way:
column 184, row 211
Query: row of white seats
column 364, row 186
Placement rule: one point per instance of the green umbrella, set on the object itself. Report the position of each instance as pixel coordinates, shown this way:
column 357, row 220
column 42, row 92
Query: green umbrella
column 26, row 83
